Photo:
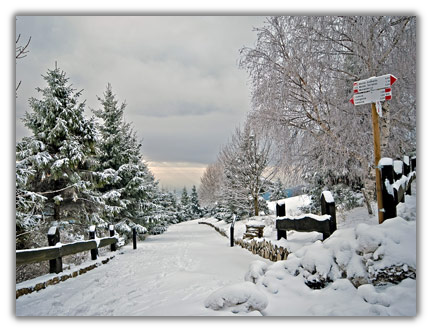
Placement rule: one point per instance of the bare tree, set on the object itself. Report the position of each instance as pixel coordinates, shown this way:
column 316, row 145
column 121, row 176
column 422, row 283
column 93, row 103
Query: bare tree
column 21, row 51
column 302, row 70
column 247, row 170
column 211, row 182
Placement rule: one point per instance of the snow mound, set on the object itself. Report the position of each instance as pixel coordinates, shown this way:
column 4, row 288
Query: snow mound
column 237, row 298
column 363, row 254
column 256, row 270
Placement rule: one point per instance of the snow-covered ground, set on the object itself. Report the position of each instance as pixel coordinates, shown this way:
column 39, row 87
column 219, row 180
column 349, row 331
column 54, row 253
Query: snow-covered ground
column 191, row 270
column 169, row 274
column 356, row 265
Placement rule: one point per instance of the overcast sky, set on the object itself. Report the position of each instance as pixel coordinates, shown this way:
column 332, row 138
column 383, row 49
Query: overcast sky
column 178, row 75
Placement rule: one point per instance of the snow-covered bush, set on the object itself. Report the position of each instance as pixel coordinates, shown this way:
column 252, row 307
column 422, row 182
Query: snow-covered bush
column 373, row 254
column 238, row 298
column 159, row 229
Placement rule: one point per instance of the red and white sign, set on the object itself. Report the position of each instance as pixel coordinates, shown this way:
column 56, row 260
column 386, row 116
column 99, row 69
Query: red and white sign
column 374, row 83
column 371, row 97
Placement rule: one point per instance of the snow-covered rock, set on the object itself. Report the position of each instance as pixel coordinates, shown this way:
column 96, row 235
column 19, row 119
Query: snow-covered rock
column 237, row 298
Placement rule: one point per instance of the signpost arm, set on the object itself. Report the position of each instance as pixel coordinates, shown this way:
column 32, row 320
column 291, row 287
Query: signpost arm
column 377, row 152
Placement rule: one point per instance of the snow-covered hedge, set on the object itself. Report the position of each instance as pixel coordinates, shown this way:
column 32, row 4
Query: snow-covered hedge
column 238, row 298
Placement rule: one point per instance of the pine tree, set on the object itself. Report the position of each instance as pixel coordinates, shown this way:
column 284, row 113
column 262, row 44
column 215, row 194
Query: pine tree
column 169, row 212
column 128, row 188
column 55, row 164
column 194, row 203
column 29, row 206
column 278, row 191
column 185, row 212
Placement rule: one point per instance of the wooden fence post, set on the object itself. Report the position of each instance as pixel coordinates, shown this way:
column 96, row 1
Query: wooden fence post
column 406, row 165
column 280, row 212
column 134, row 237
column 92, row 236
column 412, row 169
column 56, row 265
column 409, row 167
column 413, row 163
column 328, row 207
column 111, row 234
column 387, row 180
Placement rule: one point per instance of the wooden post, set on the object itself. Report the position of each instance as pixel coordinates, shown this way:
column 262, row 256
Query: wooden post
column 56, row 265
column 92, row 236
column 377, row 152
column 280, row 212
column 111, row 233
column 232, row 235
column 134, row 237
column 411, row 168
column 406, row 165
column 413, row 163
column 328, row 206
column 389, row 201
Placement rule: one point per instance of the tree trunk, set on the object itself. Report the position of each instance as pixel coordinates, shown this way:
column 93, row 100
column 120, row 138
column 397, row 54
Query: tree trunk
column 369, row 190
column 367, row 201
column 385, row 127
column 57, row 212
column 256, row 207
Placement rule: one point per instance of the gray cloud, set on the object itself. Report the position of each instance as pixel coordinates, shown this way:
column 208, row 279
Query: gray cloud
column 178, row 75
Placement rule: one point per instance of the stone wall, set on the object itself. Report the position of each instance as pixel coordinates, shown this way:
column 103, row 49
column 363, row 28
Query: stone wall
column 260, row 247
column 61, row 277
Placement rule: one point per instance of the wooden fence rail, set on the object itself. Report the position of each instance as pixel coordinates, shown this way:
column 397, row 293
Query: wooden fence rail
column 325, row 224
column 57, row 250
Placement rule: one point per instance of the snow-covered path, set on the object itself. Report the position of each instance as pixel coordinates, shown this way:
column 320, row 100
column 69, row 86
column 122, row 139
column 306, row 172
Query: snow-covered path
column 169, row 274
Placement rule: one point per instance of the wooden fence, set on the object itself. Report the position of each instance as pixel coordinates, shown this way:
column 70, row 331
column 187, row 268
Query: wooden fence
column 325, row 224
column 57, row 250
column 396, row 179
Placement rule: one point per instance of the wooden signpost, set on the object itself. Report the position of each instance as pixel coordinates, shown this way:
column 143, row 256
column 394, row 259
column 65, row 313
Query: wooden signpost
column 372, row 91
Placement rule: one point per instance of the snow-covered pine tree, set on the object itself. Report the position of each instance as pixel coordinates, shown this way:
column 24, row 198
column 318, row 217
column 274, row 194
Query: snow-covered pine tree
column 55, row 164
column 127, row 186
column 29, row 206
column 194, row 203
column 278, row 191
column 185, row 211
column 169, row 213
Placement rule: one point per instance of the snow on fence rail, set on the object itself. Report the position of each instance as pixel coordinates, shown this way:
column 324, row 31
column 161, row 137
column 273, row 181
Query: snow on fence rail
column 396, row 179
column 325, row 224
column 56, row 250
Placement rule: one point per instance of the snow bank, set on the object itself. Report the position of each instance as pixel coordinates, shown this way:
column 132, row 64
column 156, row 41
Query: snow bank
column 359, row 254
column 256, row 270
column 238, row 298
